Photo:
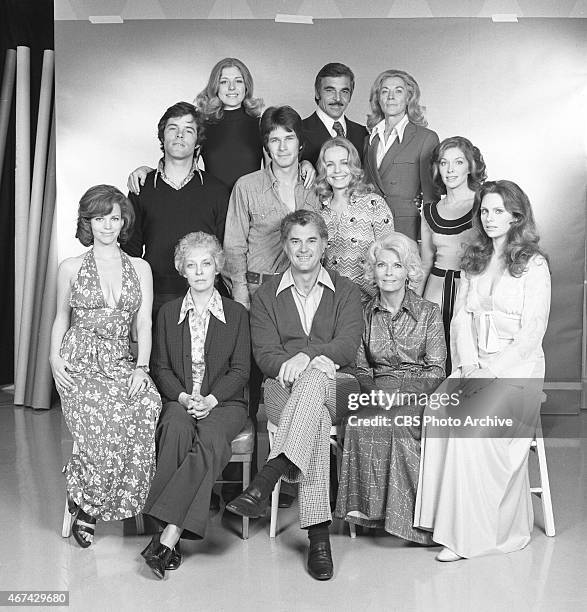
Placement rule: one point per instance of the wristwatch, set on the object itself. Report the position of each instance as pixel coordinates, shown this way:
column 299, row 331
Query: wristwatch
column 145, row 368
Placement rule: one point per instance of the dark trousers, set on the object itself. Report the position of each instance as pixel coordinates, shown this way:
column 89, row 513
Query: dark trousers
column 191, row 455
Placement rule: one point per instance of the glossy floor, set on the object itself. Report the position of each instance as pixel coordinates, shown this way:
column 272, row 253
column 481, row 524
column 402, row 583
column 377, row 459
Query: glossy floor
column 223, row 572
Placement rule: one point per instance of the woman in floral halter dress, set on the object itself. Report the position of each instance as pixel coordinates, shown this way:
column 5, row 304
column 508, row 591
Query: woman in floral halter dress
column 109, row 403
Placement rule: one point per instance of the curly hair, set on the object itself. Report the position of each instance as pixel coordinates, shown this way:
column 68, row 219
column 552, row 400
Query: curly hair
column 181, row 109
column 208, row 102
column 477, row 169
column 196, row 240
column 522, row 239
column 407, row 251
column 415, row 110
column 98, row 201
column 357, row 185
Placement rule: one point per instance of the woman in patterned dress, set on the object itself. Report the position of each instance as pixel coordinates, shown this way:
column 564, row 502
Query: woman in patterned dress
column 355, row 216
column 402, row 352
column 109, row 402
column 458, row 170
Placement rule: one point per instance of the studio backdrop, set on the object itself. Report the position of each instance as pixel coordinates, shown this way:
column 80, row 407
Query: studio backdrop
column 517, row 90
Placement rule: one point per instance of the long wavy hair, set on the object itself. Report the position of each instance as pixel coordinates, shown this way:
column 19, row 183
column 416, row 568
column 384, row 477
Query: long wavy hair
column 522, row 238
column 415, row 110
column 357, row 185
column 477, row 169
column 210, row 105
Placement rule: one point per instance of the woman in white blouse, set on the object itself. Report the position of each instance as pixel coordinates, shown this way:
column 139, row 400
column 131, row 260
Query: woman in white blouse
column 473, row 492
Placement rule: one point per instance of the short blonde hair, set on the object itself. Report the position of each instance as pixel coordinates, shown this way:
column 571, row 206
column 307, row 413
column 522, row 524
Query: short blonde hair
column 406, row 250
column 197, row 240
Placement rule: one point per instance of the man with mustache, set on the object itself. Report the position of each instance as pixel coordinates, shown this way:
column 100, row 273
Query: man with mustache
column 333, row 89
column 177, row 198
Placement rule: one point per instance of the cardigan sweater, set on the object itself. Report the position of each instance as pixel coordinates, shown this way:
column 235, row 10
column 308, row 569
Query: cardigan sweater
column 227, row 354
column 277, row 332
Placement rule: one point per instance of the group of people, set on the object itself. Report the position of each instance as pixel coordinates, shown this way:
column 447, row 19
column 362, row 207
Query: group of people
column 299, row 239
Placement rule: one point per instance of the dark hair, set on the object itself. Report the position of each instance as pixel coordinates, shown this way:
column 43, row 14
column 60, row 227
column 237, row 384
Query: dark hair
column 477, row 170
column 209, row 103
column 284, row 117
column 521, row 239
column 334, row 69
column 302, row 217
column 357, row 185
column 180, row 109
column 415, row 110
column 98, row 201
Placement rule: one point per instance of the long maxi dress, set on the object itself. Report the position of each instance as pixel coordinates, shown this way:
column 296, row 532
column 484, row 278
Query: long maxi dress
column 473, row 492
column 402, row 353
column 109, row 477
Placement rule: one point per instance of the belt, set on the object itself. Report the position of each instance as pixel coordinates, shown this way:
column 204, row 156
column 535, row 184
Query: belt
column 255, row 278
column 440, row 272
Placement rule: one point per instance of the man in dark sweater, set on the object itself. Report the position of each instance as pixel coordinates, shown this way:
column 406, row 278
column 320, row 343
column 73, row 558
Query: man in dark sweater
column 306, row 326
column 333, row 90
column 177, row 198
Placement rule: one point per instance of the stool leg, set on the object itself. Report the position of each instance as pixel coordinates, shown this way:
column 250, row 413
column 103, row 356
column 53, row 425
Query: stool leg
column 353, row 530
column 140, row 523
column 274, row 508
column 545, row 486
column 246, row 481
column 67, row 521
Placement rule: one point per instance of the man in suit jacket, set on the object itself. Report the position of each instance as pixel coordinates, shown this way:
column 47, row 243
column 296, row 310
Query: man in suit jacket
column 306, row 326
column 333, row 88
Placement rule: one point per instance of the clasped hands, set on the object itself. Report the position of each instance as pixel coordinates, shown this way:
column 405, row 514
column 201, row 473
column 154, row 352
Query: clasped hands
column 197, row 406
column 293, row 368
column 473, row 379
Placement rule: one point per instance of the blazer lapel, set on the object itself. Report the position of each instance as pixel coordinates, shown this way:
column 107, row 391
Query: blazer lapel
column 371, row 161
column 396, row 148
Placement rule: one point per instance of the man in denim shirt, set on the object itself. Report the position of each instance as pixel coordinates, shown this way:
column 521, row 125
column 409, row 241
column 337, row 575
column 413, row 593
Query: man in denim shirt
column 260, row 200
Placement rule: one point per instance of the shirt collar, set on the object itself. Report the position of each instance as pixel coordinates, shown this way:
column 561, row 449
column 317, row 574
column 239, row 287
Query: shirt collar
column 270, row 178
column 329, row 121
column 214, row 306
column 287, row 280
column 161, row 172
column 409, row 304
column 379, row 129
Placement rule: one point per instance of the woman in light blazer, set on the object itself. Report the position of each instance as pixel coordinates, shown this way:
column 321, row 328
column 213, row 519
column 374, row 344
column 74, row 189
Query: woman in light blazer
column 399, row 148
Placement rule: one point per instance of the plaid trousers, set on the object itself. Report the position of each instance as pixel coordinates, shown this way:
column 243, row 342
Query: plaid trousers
column 304, row 417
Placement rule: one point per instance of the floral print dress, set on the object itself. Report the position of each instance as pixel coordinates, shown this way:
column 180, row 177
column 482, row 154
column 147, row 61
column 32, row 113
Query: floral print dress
column 110, row 476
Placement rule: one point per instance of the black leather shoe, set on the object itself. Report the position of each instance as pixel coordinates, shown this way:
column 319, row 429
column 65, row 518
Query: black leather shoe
column 285, row 500
column 158, row 560
column 249, row 503
column 320, row 561
column 175, row 558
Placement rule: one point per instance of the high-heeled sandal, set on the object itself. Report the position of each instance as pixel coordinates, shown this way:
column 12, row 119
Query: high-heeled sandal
column 80, row 522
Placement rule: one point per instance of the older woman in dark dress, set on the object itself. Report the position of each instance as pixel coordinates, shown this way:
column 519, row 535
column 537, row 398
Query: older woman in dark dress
column 400, row 359
column 201, row 365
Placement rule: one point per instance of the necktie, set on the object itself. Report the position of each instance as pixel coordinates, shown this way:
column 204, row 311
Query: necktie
column 337, row 127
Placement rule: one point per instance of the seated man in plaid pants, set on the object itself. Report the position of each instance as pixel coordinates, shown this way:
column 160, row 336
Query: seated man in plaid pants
column 306, row 325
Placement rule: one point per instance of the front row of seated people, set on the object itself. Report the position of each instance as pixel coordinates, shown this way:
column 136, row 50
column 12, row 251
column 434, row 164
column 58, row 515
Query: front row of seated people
column 308, row 332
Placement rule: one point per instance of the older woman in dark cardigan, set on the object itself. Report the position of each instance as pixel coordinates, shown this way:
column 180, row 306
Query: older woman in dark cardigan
column 201, row 366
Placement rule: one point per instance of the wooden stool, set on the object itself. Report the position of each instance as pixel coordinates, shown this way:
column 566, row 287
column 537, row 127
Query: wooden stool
column 272, row 430
column 543, row 491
